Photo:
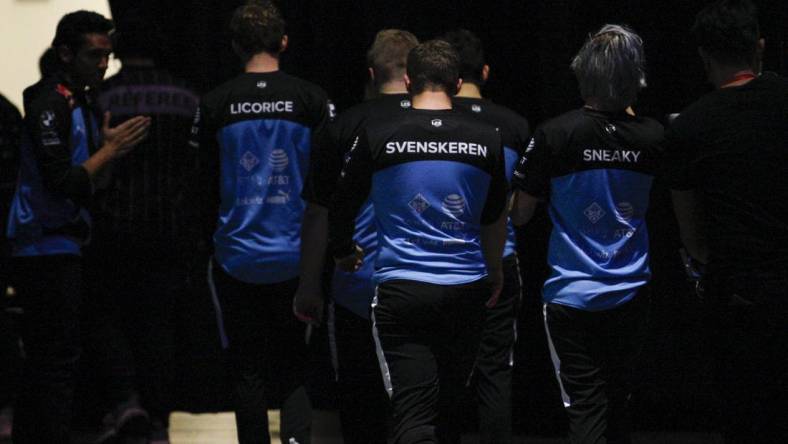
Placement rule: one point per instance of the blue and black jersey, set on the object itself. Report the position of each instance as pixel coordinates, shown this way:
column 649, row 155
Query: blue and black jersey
column 353, row 291
column 515, row 134
column 434, row 178
column 48, row 214
column 257, row 132
column 596, row 170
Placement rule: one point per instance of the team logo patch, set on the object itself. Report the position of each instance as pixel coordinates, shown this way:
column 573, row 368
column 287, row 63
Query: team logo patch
column 47, row 119
column 610, row 128
column 594, row 212
column 278, row 160
column 625, row 211
column 419, row 203
column 454, row 204
column 405, row 103
column 249, row 161
column 437, row 123
column 262, row 84
column 476, row 108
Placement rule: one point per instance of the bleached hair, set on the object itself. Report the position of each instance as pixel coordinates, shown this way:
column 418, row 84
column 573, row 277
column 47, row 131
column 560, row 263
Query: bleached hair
column 610, row 67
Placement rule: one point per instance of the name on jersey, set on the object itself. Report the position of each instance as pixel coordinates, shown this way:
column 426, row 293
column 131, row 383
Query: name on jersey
column 413, row 147
column 591, row 155
column 280, row 106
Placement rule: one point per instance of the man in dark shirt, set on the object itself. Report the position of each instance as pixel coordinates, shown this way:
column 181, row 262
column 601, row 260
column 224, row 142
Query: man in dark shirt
column 495, row 364
column 437, row 185
column 728, row 157
column 256, row 133
column 62, row 152
column 363, row 405
column 145, row 236
column 595, row 167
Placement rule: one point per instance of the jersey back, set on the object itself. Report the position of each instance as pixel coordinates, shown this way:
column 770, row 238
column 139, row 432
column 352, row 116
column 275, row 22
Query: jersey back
column 438, row 176
column 263, row 126
column 596, row 169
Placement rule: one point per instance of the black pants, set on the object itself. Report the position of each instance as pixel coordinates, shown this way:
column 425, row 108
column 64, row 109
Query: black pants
column 363, row 403
column 129, row 320
column 748, row 336
column 428, row 338
column 495, row 364
column 267, row 356
column 49, row 289
column 593, row 353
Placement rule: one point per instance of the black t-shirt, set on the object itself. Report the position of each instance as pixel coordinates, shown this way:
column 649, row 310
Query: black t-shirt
column 732, row 147
column 434, row 177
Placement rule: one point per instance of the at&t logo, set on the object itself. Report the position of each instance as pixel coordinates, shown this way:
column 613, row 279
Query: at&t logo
column 278, row 160
column 454, row 204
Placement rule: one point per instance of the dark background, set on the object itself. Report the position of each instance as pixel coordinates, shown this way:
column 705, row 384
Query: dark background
column 529, row 45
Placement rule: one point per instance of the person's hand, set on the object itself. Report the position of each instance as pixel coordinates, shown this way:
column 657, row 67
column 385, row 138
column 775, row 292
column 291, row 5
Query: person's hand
column 308, row 305
column 121, row 139
column 352, row 262
column 495, row 278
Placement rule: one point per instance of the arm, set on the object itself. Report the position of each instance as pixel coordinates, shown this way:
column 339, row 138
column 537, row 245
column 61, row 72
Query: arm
column 351, row 193
column 523, row 207
column 686, row 206
column 205, row 179
column 493, row 229
column 531, row 180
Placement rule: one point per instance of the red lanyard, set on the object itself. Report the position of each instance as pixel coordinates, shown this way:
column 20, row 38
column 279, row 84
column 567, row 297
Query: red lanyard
column 738, row 78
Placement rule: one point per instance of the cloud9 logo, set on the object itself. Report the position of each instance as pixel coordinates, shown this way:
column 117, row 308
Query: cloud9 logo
column 249, row 161
column 278, row 160
column 454, row 204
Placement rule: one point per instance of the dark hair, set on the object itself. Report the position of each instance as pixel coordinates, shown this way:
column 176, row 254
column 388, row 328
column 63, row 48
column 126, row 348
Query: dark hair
column 257, row 27
column 71, row 29
column 388, row 54
column 433, row 65
column 728, row 31
column 469, row 48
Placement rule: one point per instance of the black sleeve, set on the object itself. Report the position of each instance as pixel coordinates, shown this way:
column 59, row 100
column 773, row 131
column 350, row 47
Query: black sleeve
column 325, row 166
column 678, row 161
column 497, row 192
column 352, row 190
column 532, row 174
column 205, row 184
column 49, row 126
column 10, row 138
column 321, row 151
column 523, row 136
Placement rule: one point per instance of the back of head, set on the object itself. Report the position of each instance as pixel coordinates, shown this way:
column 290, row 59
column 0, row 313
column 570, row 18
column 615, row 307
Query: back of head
column 610, row 67
column 728, row 31
column 433, row 66
column 469, row 48
column 257, row 27
column 388, row 54
column 72, row 28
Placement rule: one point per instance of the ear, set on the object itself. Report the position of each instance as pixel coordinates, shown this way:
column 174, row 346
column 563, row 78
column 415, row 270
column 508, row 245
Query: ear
column 485, row 72
column 65, row 54
column 407, row 82
column 459, row 86
column 283, row 45
column 371, row 74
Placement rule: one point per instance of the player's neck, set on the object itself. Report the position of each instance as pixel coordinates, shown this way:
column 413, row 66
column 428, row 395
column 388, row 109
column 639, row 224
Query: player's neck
column 262, row 62
column 434, row 100
column 393, row 87
column 470, row 90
